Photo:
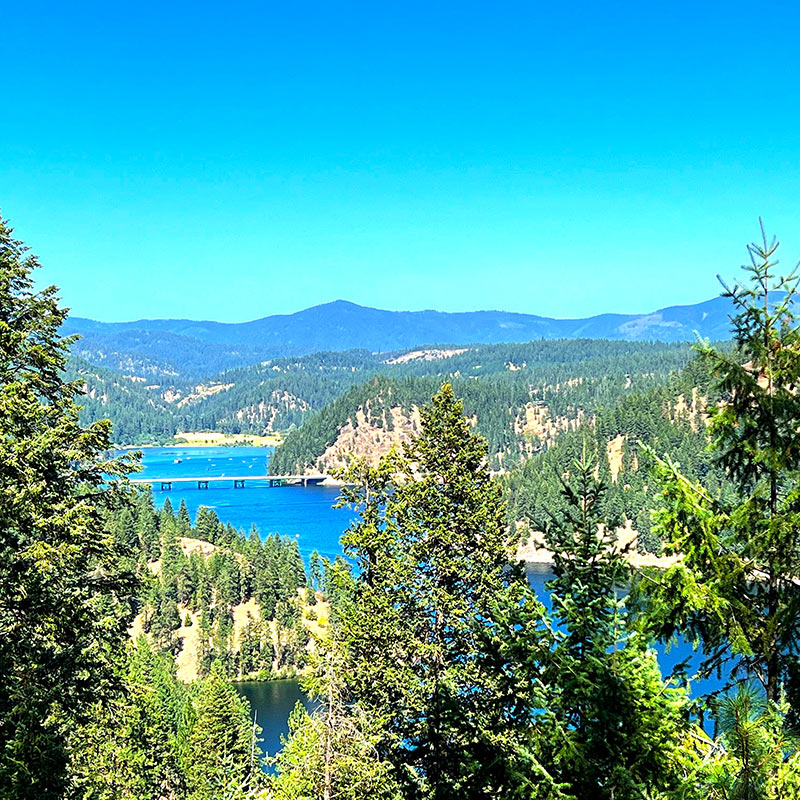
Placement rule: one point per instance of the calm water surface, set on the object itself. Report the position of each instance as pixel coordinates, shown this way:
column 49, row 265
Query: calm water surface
column 305, row 514
column 271, row 703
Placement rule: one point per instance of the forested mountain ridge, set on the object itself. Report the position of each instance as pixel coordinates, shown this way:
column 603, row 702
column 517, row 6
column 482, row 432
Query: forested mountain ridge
column 284, row 393
column 518, row 396
column 200, row 348
column 160, row 355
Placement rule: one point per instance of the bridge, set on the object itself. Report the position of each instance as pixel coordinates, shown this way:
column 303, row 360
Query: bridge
column 238, row 480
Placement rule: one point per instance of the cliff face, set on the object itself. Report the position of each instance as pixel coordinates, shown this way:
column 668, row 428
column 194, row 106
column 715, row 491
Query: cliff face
column 368, row 435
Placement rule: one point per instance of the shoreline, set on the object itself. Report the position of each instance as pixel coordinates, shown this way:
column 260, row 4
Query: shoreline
column 532, row 550
column 212, row 439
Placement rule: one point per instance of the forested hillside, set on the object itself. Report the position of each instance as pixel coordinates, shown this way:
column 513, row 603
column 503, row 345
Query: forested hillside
column 520, row 396
column 209, row 593
column 140, row 415
column 622, row 439
column 285, row 393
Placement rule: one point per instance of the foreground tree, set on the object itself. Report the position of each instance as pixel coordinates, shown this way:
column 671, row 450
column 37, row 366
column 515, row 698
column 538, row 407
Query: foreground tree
column 218, row 747
column 736, row 588
column 422, row 629
column 130, row 749
column 63, row 595
column 332, row 751
column 610, row 727
column 756, row 759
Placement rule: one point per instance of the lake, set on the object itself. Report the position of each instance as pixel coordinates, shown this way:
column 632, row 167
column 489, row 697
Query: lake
column 304, row 513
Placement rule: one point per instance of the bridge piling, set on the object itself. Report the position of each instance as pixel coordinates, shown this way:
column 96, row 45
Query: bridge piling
column 205, row 481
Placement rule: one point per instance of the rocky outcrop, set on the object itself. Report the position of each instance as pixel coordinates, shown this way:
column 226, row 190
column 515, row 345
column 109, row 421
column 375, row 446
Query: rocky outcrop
column 533, row 549
column 267, row 411
column 365, row 436
column 539, row 430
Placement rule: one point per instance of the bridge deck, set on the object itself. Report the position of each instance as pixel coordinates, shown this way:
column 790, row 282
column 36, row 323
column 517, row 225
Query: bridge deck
column 202, row 478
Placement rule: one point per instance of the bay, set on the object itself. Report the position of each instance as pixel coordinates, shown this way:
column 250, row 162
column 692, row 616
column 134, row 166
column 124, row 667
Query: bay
column 303, row 513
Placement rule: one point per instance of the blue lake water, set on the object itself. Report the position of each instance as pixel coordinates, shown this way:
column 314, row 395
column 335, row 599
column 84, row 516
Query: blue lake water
column 271, row 703
column 303, row 513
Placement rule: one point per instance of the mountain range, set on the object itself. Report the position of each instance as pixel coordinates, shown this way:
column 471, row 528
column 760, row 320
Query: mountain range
column 189, row 348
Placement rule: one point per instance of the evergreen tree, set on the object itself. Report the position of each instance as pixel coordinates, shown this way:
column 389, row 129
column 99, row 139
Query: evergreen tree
column 147, row 526
column 220, row 746
column 612, row 728
column 131, row 750
column 331, row 751
column 63, row 597
column 757, row 758
column 433, row 553
column 736, row 587
column 183, row 520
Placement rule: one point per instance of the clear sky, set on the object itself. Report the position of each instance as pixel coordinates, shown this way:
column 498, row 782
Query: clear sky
column 233, row 160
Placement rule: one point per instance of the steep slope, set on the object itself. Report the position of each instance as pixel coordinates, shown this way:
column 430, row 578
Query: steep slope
column 519, row 396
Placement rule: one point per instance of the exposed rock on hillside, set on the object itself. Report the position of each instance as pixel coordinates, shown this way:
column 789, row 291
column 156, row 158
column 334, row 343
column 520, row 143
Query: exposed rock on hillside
column 695, row 409
column 365, row 436
column 201, row 391
column 266, row 412
column 539, row 429
column 533, row 549
column 425, row 355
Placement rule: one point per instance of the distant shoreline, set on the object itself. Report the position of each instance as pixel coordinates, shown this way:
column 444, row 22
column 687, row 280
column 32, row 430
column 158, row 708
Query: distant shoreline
column 212, row 439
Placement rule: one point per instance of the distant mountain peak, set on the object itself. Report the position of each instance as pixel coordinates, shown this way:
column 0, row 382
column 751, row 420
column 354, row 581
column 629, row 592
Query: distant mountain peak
column 210, row 347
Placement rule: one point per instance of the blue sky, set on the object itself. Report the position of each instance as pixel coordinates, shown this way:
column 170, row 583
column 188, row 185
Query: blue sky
column 229, row 161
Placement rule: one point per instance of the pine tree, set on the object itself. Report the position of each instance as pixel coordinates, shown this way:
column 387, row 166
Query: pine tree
column 219, row 753
column 612, row 727
column 131, row 748
column 757, row 758
column 433, row 554
column 735, row 587
column 183, row 520
column 63, row 595
column 331, row 751
column 147, row 527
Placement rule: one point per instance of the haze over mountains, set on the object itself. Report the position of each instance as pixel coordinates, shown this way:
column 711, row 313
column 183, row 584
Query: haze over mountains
column 189, row 348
